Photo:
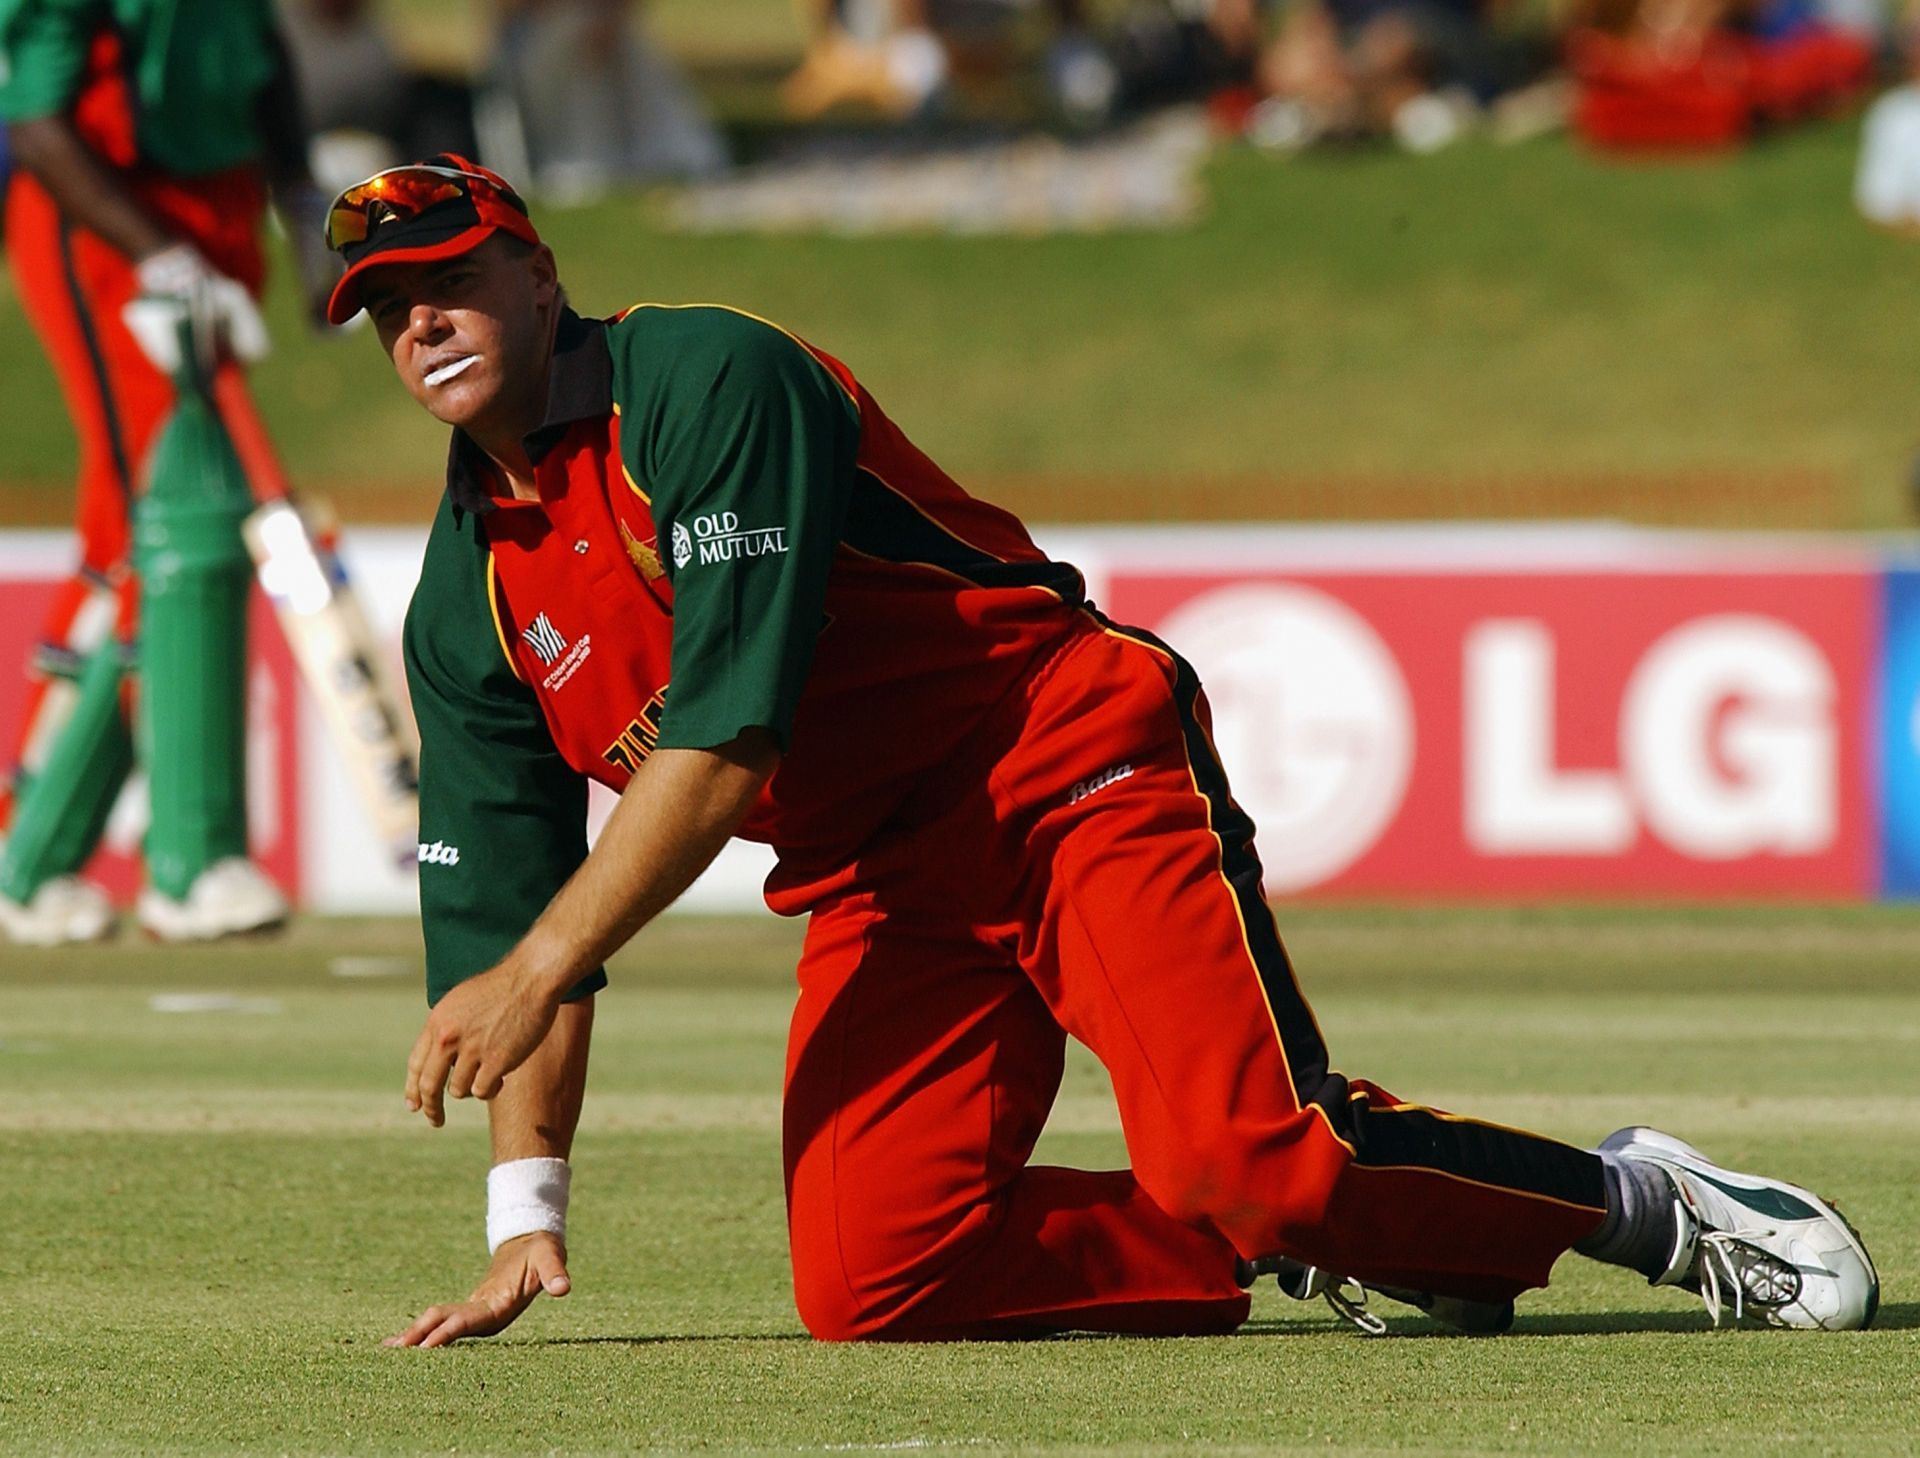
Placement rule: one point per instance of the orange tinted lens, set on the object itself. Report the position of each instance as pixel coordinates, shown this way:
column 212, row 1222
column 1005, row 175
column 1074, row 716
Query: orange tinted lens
column 397, row 194
column 346, row 224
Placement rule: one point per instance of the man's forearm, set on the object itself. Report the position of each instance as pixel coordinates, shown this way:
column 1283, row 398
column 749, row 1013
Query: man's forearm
column 83, row 187
column 537, row 1110
column 680, row 808
column 676, row 813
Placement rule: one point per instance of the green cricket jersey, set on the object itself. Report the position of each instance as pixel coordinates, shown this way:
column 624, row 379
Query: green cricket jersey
column 183, row 77
column 730, row 534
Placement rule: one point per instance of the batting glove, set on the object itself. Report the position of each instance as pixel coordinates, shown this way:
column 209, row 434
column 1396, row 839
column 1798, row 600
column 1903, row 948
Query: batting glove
column 178, row 285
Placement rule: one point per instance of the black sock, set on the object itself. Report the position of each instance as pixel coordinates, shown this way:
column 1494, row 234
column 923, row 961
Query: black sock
column 1641, row 1228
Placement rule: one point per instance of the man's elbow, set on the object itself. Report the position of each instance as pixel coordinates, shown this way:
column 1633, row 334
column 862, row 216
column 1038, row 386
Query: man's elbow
column 37, row 145
column 45, row 146
column 756, row 750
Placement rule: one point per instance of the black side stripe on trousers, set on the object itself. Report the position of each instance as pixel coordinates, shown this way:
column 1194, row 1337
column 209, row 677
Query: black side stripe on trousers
column 1380, row 1137
column 82, row 312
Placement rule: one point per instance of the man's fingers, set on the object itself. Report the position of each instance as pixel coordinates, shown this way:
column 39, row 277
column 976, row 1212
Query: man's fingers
column 440, row 1325
column 416, row 1065
column 433, row 1079
column 454, row 1325
column 460, row 1080
column 551, row 1269
column 425, row 1322
column 490, row 1310
column 474, row 1078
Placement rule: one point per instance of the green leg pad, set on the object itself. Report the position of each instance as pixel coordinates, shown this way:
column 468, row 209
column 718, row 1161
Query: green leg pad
column 194, row 577
column 63, row 809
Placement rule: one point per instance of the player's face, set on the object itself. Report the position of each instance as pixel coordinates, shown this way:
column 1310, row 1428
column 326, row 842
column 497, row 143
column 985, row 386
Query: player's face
column 469, row 335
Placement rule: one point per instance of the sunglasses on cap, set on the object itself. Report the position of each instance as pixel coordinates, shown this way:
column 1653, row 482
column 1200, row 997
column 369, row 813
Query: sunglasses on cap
column 403, row 193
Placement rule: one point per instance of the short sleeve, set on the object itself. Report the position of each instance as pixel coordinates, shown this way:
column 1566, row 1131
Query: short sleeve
column 751, row 462
column 43, row 55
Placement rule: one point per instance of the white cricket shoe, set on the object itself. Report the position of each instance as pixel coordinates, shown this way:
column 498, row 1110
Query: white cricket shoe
column 230, row 897
column 65, row 909
column 1763, row 1248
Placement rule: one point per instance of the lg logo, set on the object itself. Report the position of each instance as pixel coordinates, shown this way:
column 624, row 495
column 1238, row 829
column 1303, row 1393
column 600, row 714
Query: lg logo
column 1725, row 740
column 1311, row 717
column 1728, row 745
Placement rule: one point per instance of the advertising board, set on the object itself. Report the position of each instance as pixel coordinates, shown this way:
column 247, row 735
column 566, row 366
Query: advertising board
column 1406, row 712
column 1585, row 733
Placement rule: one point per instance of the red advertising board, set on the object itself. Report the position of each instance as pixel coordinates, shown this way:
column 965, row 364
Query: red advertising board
column 1612, row 733
column 1702, row 730
column 273, row 741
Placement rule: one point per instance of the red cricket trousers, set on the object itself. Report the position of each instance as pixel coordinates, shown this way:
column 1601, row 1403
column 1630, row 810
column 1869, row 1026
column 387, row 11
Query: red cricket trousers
column 73, row 287
column 1086, row 872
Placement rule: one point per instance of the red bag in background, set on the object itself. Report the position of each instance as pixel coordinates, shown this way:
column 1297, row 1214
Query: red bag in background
column 1631, row 97
column 1809, row 72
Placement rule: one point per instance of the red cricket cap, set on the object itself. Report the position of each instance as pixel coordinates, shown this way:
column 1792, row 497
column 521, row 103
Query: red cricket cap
column 438, row 208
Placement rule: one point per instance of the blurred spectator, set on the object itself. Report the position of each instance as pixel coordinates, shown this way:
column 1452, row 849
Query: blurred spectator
column 1186, row 50
column 580, row 100
column 1418, row 70
column 879, row 55
column 1871, row 20
column 358, row 89
column 896, row 57
column 1886, row 188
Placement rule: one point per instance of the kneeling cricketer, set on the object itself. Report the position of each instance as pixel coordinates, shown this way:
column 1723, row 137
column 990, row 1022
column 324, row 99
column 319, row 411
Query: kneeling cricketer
column 685, row 554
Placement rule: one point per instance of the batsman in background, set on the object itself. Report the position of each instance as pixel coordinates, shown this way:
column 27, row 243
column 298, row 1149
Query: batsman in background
column 147, row 136
column 685, row 554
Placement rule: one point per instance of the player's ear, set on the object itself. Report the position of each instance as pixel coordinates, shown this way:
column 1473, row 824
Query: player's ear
column 545, row 273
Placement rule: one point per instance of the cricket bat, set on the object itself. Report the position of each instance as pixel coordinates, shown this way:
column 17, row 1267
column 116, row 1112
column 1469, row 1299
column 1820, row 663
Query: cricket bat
column 307, row 584
column 302, row 575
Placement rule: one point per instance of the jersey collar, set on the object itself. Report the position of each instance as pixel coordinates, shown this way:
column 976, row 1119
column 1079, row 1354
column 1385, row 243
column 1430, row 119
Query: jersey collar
column 579, row 387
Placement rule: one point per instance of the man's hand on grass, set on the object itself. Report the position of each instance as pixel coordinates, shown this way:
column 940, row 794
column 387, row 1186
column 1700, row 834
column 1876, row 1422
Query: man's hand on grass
column 679, row 809
column 522, row 1268
column 480, row 1032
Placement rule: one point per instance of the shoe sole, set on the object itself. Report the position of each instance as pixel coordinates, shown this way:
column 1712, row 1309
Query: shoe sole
column 162, row 931
column 59, row 937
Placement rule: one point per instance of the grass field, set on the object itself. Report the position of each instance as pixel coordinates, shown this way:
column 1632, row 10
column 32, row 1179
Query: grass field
column 212, row 1216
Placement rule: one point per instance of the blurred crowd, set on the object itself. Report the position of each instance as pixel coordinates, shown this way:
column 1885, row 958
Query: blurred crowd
column 576, row 94
column 1290, row 74
column 572, row 94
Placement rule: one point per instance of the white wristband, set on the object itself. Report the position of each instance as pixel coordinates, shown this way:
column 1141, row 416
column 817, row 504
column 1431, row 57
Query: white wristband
column 527, row 1195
